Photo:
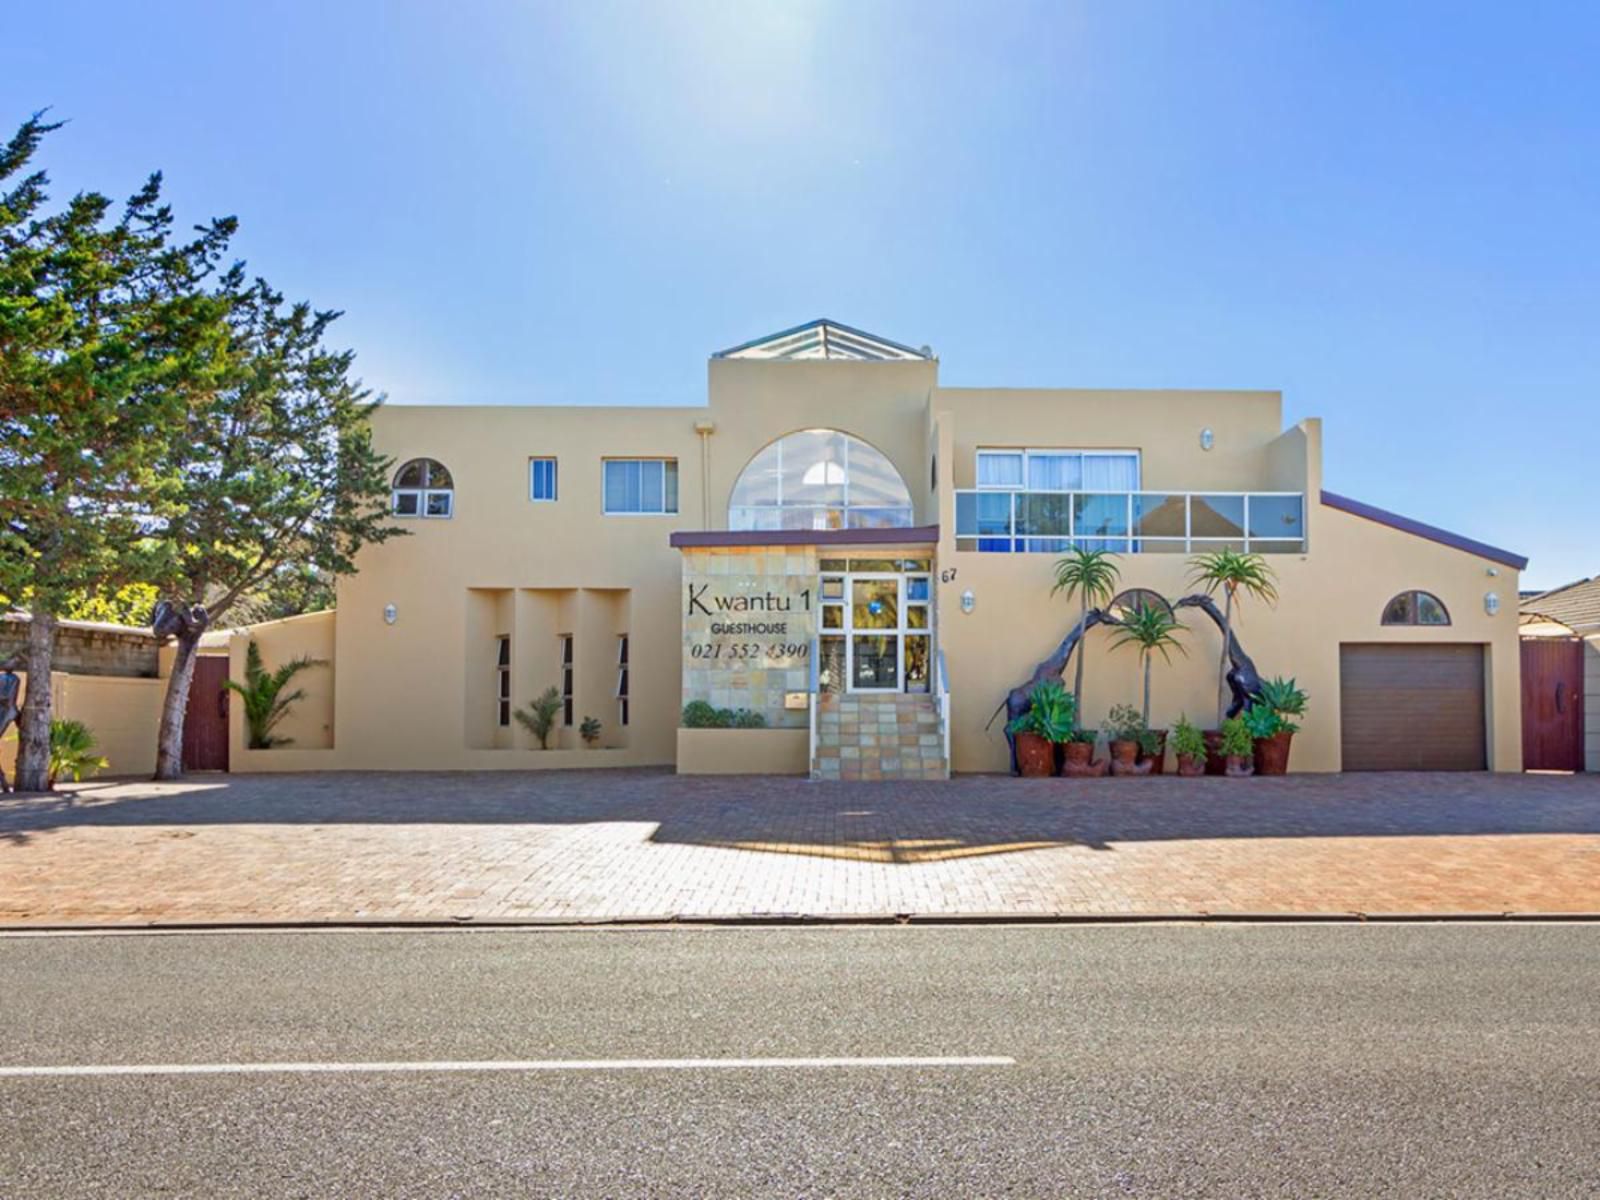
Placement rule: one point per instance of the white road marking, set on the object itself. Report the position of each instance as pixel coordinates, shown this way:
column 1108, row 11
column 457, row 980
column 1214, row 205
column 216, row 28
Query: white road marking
column 529, row 1065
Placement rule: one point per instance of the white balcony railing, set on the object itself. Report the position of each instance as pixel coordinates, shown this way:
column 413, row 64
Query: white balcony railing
column 1038, row 522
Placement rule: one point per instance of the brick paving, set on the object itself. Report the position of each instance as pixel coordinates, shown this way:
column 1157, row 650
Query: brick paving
column 619, row 844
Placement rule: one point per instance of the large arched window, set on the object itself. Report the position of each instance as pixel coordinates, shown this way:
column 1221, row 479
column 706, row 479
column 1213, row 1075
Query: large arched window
column 820, row 479
column 1415, row 608
column 423, row 488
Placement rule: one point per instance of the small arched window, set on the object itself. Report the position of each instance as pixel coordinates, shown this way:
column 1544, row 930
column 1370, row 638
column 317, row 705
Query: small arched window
column 1415, row 607
column 1128, row 603
column 423, row 488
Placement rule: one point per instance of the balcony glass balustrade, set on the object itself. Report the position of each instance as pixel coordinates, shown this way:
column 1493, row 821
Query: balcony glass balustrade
column 1033, row 522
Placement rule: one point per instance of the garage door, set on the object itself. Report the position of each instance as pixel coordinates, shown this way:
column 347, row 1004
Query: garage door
column 1412, row 708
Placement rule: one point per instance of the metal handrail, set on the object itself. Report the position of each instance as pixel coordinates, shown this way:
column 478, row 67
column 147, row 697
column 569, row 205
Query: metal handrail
column 811, row 704
column 942, row 685
column 1128, row 535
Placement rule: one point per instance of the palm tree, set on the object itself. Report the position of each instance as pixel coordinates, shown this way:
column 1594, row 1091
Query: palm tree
column 1233, row 571
column 1151, row 628
column 265, row 703
column 1091, row 575
column 72, row 752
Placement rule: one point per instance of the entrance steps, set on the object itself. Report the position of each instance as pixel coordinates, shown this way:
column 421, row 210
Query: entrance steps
column 890, row 736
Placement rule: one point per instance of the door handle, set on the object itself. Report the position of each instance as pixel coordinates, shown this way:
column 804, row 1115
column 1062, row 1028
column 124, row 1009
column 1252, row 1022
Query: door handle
column 1561, row 697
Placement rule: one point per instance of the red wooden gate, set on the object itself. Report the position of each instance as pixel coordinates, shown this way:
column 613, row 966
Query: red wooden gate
column 1552, row 704
column 205, row 726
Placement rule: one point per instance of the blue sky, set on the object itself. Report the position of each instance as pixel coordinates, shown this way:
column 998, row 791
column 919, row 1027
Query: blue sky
column 1389, row 212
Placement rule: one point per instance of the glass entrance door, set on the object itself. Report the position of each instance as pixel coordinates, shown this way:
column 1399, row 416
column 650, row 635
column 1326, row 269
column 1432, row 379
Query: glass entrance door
column 876, row 631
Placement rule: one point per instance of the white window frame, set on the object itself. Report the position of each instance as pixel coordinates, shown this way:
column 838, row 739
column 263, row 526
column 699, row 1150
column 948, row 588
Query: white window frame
column 622, row 680
column 1053, row 452
column 423, row 496
column 555, row 479
column 568, row 677
column 667, row 464
column 502, row 673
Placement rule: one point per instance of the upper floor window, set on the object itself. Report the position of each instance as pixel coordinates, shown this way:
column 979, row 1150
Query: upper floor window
column 1059, row 470
column 423, row 488
column 1415, row 608
column 820, row 479
column 542, row 478
column 641, row 486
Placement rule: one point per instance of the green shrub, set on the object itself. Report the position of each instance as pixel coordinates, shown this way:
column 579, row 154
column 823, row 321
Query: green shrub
column 1236, row 739
column 697, row 714
column 745, row 718
column 72, row 752
column 1051, row 713
column 1124, row 723
column 1186, row 739
column 589, row 730
column 1285, row 699
column 539, row 718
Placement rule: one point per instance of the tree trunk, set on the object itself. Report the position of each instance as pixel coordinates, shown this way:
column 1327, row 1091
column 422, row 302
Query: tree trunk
column 174, row 707
column 33, row 752
column 1077, row 682
column 1147, row 689
column 1222, row 663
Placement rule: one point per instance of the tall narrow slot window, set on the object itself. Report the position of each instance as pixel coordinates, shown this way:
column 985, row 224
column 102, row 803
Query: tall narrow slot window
column 566, row 679
column 503, row 679
column 542, row 479
column 622, row 679
column 640, row 486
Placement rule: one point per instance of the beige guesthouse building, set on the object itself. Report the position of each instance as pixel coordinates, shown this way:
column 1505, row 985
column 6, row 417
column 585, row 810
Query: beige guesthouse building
column 835, row 533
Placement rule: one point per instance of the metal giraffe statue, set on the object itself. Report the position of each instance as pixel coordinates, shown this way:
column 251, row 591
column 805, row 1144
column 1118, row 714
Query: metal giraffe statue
column 10, row 686
column 1243, row 679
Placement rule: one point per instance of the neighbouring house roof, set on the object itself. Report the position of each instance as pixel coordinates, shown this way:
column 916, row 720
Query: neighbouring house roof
column 1416, row 528
column 918, row 535
column 136, row 631
column 823, row 338
column 1575, row 605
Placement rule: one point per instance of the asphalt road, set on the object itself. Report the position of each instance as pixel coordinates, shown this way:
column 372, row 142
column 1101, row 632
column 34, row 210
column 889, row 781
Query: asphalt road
column 1392, row 1060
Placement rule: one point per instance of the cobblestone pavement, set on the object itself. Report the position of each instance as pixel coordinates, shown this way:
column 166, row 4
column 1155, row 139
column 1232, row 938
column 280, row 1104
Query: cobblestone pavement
column 620, row 844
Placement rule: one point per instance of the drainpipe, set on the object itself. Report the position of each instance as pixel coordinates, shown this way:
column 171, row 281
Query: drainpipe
column 705, row 429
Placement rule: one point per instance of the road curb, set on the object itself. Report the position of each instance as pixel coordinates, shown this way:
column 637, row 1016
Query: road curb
column 801, row 920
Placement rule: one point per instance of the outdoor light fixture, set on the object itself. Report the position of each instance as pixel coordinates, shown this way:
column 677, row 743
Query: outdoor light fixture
column 968, row 601
column 1492, row 572
column 1491, row 603
column 1207, row 439
column 391, row 614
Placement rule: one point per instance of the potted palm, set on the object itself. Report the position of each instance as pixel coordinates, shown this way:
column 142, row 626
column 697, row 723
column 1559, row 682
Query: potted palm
column 1190, row 748
column 1230, row 572
column 1280, row 701
column 1091, row 576
column 1047, row 723
column 1236, row 746
column 1153, row 630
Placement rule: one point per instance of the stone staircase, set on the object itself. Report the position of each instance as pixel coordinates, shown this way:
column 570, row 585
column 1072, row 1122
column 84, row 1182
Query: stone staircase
column 889, row 736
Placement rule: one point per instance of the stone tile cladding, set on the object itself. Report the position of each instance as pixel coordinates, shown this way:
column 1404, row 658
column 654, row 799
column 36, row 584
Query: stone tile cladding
column 862, row 736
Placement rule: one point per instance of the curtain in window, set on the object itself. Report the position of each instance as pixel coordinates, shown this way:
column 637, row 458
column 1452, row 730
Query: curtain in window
column 1000, row 470
column 1107, row 473
column 1055, row 472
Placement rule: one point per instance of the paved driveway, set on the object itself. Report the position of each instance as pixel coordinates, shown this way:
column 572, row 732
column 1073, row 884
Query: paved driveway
column 614, row 845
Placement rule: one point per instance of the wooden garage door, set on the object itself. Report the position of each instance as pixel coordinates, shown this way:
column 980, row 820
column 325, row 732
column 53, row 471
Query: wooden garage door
column 1412, row 708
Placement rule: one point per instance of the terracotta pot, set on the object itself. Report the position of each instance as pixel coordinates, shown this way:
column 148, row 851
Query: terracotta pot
column 1272, row 754
column 1216, row 763
column 1126, row 753
column 1078, row 754
column 1159, row 758
column 1191, row 765
column 1080, row 762
column 1036, row 756
column 1240, row 766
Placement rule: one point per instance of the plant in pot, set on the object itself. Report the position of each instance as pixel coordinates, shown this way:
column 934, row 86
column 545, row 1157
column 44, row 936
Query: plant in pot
column 1231, row 572
column 1047, row 723
column 1154, row 630
column 1123, row 728
column 589, row 731
column 1236, row 747
column 1190, row 747
column 1285, row 701
column 1077, row 756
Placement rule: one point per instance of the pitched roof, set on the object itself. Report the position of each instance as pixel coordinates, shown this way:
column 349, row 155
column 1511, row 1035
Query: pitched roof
column 1575, row 605
column 1416, row 528
column 823, row 338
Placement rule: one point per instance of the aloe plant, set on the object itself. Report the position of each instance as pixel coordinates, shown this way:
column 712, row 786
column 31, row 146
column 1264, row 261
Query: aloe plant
column 1051, row 713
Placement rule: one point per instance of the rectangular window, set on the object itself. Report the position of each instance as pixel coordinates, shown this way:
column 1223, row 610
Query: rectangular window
column 542, row 479
column 503, row 679
column 1059, row 470
column 566, row 679
column 622, row 679
column 644, row 486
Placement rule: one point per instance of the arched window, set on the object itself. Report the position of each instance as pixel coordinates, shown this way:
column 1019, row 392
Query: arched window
column 423, row 488
column 1415, row 608
column 1127, row 603
column 819, row 479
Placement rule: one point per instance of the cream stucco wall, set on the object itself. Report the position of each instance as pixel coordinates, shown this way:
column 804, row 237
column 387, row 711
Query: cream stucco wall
column 122, row 713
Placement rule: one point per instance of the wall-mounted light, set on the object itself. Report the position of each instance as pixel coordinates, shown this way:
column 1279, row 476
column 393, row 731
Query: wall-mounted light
column 1492, row 572
column 968, row 601
column 1207, row 439
column 391, row 614
column 1491, row 603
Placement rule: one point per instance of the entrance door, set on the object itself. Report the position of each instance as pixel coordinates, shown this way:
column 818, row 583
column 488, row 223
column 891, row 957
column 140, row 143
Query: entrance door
column 205, row 722
column 1552, row 704
column 877, row 630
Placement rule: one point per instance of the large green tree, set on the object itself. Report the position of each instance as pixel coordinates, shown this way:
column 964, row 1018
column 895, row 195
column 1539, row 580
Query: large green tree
column 107, row 333
column 273, row 471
